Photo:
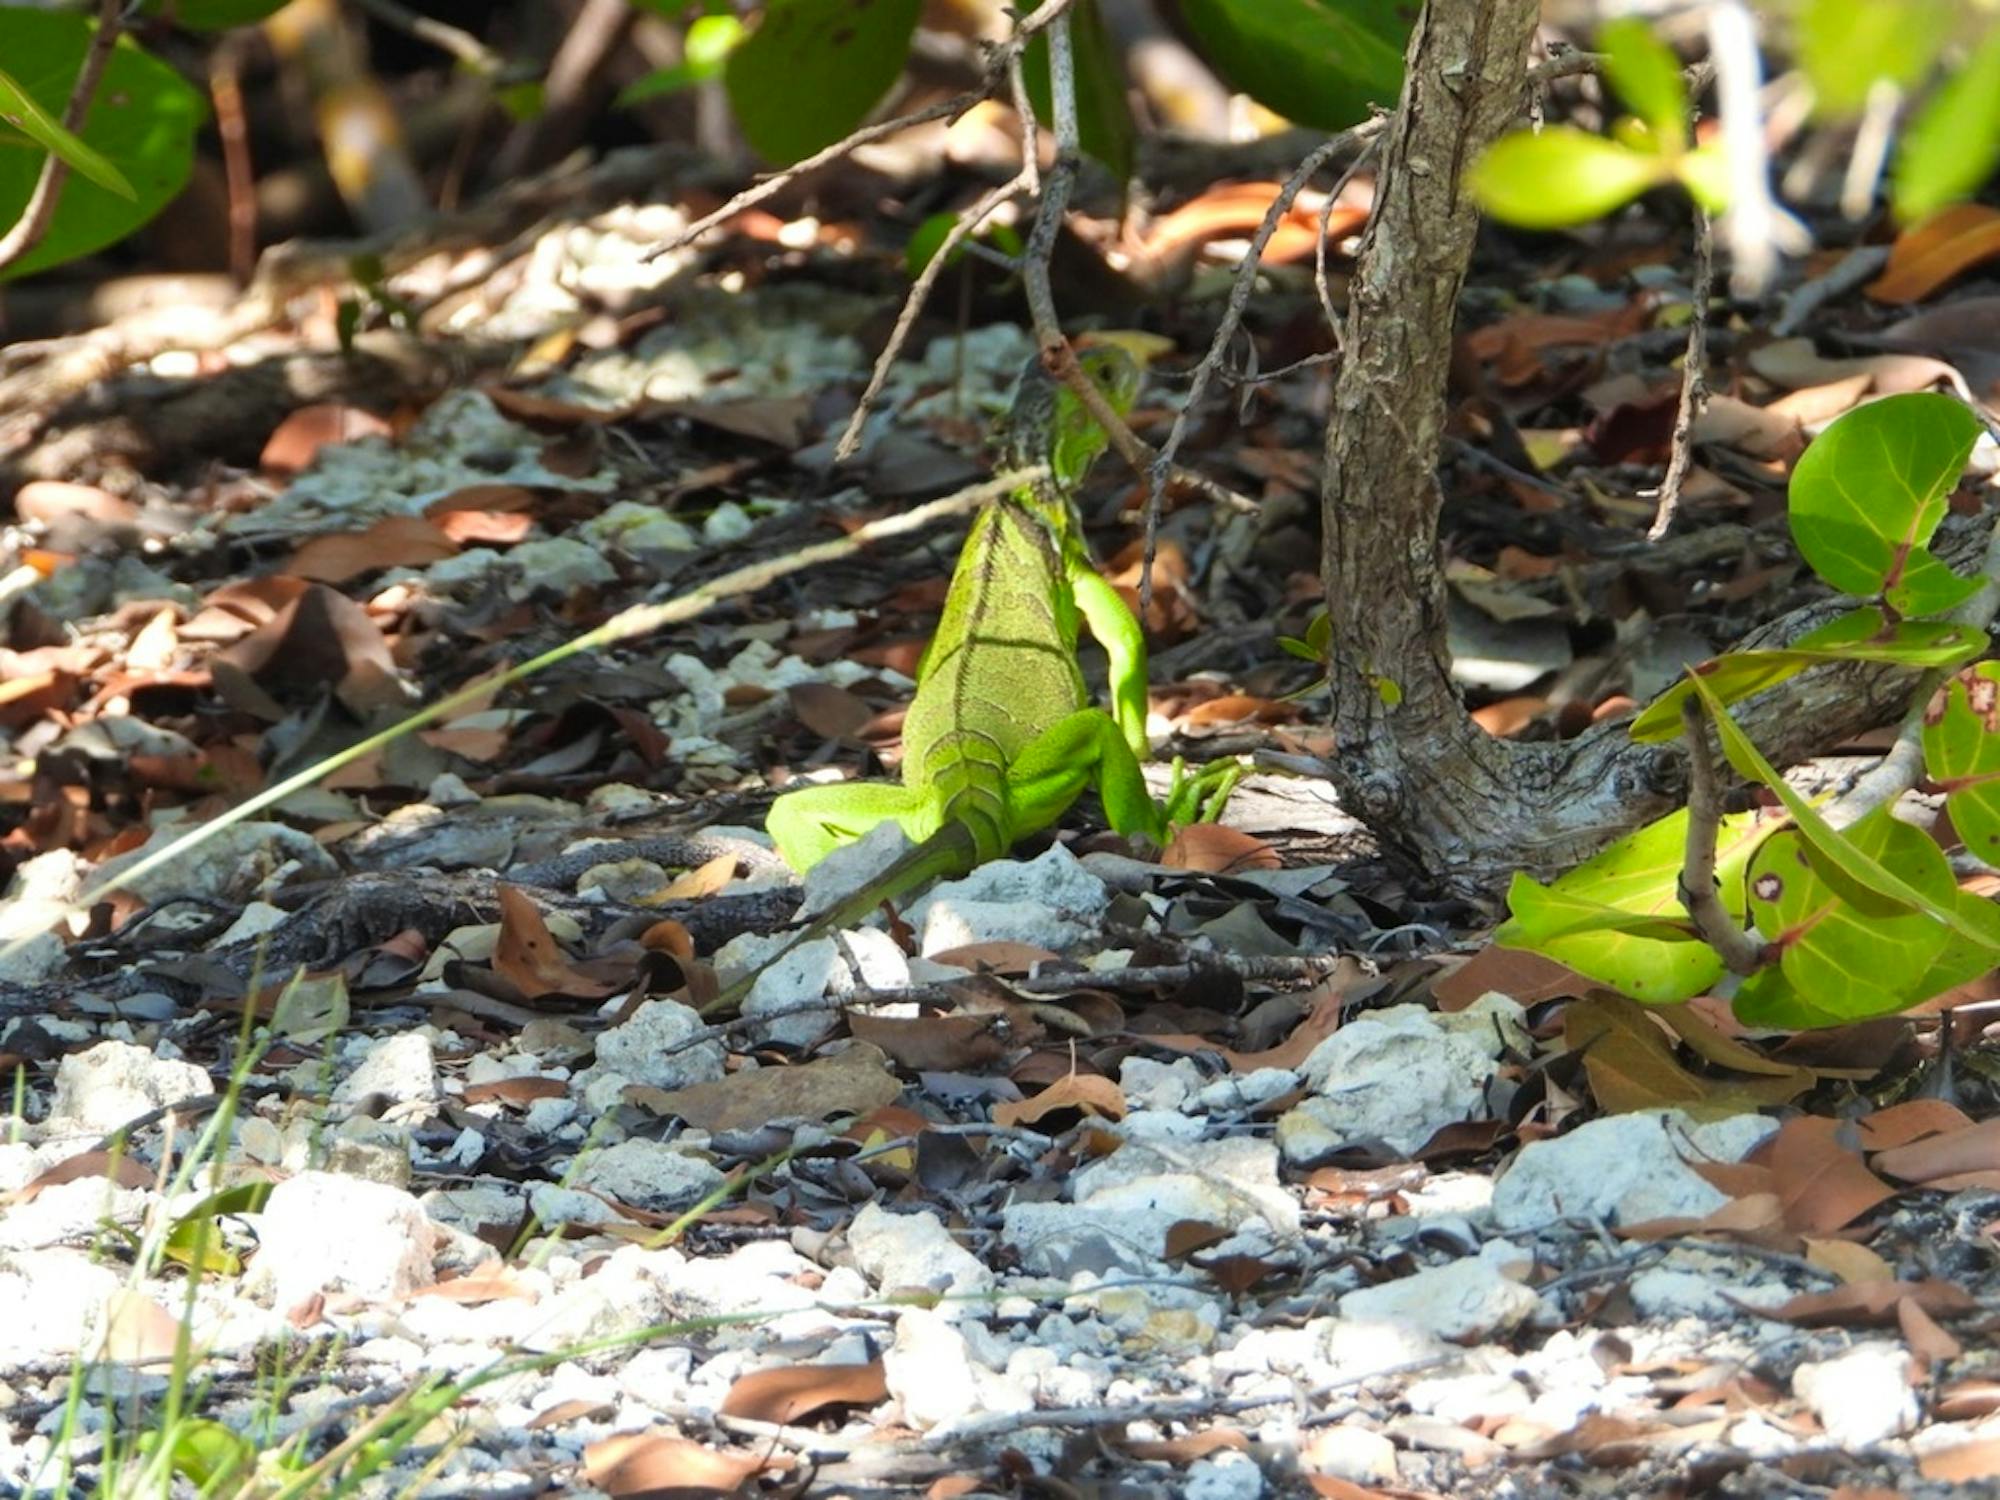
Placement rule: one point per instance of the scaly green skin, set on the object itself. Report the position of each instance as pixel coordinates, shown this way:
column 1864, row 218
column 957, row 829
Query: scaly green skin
column 1002, row 736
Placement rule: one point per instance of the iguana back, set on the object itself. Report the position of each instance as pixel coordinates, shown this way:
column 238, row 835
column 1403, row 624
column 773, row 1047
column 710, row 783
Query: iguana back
column 1002, row 667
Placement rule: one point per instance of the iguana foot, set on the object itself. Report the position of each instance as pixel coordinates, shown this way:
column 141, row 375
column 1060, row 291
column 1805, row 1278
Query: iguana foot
column 1200, row 798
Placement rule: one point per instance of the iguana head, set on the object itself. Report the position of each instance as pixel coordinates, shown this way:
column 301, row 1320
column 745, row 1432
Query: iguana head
column 1048, row 424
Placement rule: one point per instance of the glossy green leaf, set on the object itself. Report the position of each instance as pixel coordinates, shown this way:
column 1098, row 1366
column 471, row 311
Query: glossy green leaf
column 1560, row 176
column 1845, row 951
column 1618, row 918
column 813, row 69
column 1658, row 964
column 1838, row 856
column 1953, row 144
column 1647, row 76
column 142, row 123
column 1962, row 755
column 1103, row 114
column 19, row 109
column 1319, row 63
column 1848, row 46
column 704, row 52
column 1859, row 635
column 194, row 1233
column 1870, row 491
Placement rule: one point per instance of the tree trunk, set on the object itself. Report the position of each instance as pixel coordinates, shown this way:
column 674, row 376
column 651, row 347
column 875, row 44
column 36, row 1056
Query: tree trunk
column 1468, row 809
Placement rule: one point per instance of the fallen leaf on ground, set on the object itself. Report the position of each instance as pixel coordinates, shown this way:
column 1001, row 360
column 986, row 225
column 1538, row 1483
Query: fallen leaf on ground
column 1089, row 1094
column 1822, row 1182
column 792, row 1392
column 851, row 1082
column 1970, row 1148
column 635, row 1464
column 1930, row 253
column 1870, row 1304
column 527, row 956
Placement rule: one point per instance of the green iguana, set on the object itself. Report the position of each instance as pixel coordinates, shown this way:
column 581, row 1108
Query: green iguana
column 1002, row 736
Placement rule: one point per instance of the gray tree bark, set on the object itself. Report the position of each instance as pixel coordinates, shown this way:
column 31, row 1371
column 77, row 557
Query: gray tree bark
column 1465, row 808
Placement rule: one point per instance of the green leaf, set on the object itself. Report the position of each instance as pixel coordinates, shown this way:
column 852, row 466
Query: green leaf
column 1559, row 176
column 1962, row 754
column 141, row 123
column 704, row 52
column 214, row 15
column 19, row 109
column 1618, row 917
column 1870, row 491
column 1647, row 76
column 1848, row 46
column 1704, row 172
column 1846, row 952
column 1953, row 144
column 1103, row 116
column 813, row 69
column 1319, row 63
column 205, row 1451
column 1836, row 854
column 1859, row 635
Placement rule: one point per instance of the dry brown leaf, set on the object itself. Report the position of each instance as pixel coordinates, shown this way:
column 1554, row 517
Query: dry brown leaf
column 1628, row 1058
column 391, row 542
column 1963, row 1463
column 493, row 1282
column 998, row 956
column 1870, row 1304
column 704, row 880
column 527, row 956
column 851, row 1082
column 828, row 711
column 1235, row 211
column 137, row 1329
column 1912, row 1120
column 318, row 637
column 121, row 1168
column 1090, row 1094
column 1930, row 253
column 1971, row 1148
column 939, row 1044
column 50, row 500
column 1822, row 1182
column 635, row 1464
column 793, row 1392
column 295, row 441
column 1968, row 1400
column 1238, row 708
column 1214, row 849
column 1514, row 972
column 1188, row 1447
column 517, row 1091
column 1852, row 1263
column 1929, row 1342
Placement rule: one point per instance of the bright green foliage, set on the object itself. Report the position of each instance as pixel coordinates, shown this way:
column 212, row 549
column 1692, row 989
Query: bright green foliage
column 141, row 128
column 1647, row 76
column 1322, row 63
column 1560, row 176
column 934, row 231
column 704, row 51
column 1953, row 144
column 1848, row 46
column 1859, row 635
column 1962, row 754
column 1103, row 117
column 1863, row 921
column 1866, row 497
column 1618, row 918
column 813, row 69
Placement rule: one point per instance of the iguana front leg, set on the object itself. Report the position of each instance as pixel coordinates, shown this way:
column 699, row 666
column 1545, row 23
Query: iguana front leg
column 1089, row 748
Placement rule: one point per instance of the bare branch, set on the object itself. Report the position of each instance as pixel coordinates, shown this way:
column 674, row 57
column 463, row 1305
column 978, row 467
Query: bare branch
column 1694, row 382
column 1741, row 952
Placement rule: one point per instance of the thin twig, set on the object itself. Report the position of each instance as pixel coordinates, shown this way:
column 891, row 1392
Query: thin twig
column 1163, row 466
column 1741, row 952
column 225, row 88
column 1004, row 58
column 41, row 207
column 1694, row 382
column 461, row 44
column 920, row 290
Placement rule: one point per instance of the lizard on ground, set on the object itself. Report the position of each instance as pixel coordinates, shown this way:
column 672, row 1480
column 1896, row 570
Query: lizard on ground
column 1002, row 735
